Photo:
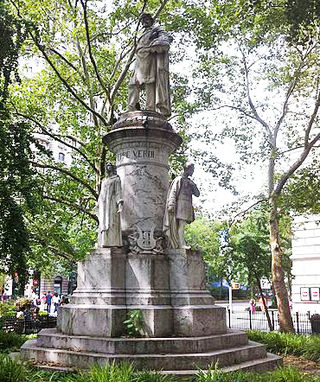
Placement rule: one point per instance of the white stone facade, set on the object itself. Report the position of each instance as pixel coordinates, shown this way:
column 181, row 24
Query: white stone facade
column 306, row 264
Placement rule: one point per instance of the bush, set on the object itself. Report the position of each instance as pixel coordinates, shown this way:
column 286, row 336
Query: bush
column 10, row 370
column 279, row 375
column 7, row 310
column 12, row 341
column 305, row 346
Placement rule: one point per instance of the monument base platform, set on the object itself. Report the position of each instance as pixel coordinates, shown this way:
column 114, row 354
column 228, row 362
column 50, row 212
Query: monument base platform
column 179, row 356
column 184, row 329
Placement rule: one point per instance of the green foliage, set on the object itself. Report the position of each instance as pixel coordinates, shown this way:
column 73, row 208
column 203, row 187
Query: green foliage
column 11, row 371
column 12, row 341
column 304, row 346
column 135, row 323
column 81, row 87
column 203, row 235
column 7, row 309
column 109, row 372
column 302, row 193
column 17, row 183
column 279, row 375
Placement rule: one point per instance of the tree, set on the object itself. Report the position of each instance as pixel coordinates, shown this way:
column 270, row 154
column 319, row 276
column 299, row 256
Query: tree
column 84, row 51
column 250, row 241
column 17, row 187
column 268, row 81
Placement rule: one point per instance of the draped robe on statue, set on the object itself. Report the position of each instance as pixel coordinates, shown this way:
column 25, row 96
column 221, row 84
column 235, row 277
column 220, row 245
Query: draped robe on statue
column 108, row 212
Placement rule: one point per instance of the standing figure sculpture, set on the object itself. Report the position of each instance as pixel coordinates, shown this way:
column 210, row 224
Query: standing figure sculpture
column 152, row 69
column 109, row 207
column 179, row 209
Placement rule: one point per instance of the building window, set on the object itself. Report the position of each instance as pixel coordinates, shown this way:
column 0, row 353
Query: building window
column 61, row 157
column 57, row 285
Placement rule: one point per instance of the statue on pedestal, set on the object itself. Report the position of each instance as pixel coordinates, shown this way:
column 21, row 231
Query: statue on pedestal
column 179, row 209
column 109, row 207
column 152, row 69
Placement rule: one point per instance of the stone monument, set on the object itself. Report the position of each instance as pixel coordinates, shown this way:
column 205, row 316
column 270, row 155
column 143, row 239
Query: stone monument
column 179, row 209
column 109, row 208
column 149, row 269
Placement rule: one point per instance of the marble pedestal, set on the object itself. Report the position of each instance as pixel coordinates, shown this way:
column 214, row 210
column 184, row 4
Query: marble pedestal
column 184, row 329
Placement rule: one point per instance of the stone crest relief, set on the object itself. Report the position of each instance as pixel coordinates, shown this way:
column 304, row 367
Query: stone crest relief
column 143, row 241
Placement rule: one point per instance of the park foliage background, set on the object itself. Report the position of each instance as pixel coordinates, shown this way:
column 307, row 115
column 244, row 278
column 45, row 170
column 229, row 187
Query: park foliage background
column 253, row 80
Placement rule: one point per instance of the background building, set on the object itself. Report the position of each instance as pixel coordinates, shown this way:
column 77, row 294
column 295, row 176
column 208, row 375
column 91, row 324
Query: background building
column 306, row 264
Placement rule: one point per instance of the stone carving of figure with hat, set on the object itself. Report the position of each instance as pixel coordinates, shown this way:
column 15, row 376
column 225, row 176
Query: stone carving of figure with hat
column 151, row 69
column 179, row 209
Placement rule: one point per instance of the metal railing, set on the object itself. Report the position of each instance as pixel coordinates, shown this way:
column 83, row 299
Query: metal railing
column 258, row 321
column 27, row 325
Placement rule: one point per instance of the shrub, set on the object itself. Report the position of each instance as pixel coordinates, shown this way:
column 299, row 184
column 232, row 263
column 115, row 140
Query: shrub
column 134, row 323
column 12, row 341
column 7, row 310
column 288, row 374
column 305, row 346
column 10, row 370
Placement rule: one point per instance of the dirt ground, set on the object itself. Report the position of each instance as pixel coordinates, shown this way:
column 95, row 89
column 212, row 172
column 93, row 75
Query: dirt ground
column 305, row 367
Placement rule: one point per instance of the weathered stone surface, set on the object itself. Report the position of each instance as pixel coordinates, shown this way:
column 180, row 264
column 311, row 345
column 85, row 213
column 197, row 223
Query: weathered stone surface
column 186, row 329
column 187, row 278
column 177, row 361
column 92, row 320
column 51, row 338
column 199, row 320
column 101, row 278
column 142, row 149
column 179, row 209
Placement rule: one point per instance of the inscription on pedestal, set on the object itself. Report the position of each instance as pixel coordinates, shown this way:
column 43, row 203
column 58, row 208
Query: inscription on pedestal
column 136, row 154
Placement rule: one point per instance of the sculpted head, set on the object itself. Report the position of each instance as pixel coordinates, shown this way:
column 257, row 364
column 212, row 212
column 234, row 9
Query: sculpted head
column 111, row 169
column 188, row 169
column 147, row 20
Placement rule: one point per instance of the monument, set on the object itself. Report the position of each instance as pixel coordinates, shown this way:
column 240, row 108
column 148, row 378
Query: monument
column 148, row 268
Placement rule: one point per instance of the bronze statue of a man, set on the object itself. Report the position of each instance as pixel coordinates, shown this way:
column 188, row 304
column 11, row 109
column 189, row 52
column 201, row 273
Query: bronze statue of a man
column 109, row 207
column 151, row 69
column 179, row 209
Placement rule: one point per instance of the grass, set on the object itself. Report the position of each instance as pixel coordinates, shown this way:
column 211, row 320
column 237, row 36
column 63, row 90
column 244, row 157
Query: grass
column 287, row 374
column 12, row 341
column 307, row 347
column 303, row 346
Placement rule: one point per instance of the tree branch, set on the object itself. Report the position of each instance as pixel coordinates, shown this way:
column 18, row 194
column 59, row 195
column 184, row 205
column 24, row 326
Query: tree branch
column 237, row 109
column 252, row 107
column 55, row 137
column 162, row 5
column 73, row 205
column 246, row 210
column 85, row 17
column 311, row 121
column 63, row 80
column 68, row 173
column 63, row 58
column 282, row 181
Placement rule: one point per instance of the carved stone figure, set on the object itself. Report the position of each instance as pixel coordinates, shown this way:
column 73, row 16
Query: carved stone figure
column 179, row 209
column 109, row 207
column 152, row 69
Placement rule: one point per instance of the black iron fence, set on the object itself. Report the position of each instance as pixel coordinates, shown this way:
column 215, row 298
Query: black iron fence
column 27, row 325
column 258, row 321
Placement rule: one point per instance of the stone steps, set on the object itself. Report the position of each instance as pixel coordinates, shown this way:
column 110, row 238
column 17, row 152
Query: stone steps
column 224, row 357
column 261, row 365
column 51, row 338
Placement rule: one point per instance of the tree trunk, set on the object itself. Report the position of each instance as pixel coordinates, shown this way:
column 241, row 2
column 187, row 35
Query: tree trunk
column 278, row 275
column 264, row 305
